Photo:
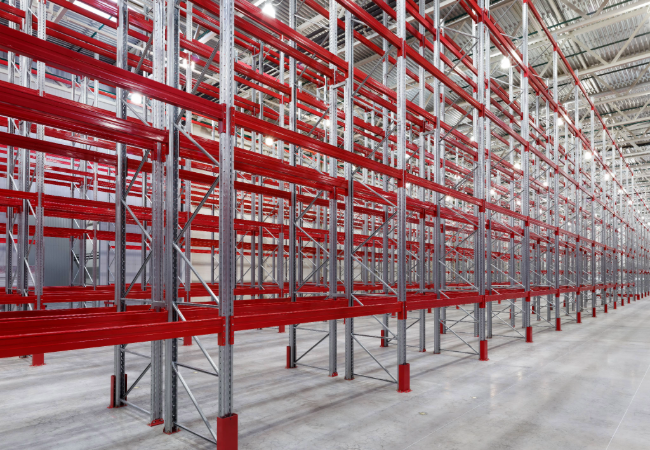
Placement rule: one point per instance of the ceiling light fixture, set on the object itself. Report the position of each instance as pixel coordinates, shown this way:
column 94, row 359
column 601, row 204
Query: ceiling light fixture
column 269, row 10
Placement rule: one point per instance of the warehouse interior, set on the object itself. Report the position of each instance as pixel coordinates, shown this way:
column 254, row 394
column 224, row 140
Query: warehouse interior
column 279, row 224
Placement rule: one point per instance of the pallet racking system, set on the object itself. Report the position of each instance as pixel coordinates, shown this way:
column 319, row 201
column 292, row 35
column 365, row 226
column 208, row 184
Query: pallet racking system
column 317, row 190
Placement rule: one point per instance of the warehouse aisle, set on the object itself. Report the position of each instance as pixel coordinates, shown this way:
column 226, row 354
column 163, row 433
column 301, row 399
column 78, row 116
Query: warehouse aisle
column 584, row 387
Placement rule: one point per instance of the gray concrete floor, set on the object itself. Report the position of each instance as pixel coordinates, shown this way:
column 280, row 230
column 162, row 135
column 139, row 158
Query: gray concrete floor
column 585, row 387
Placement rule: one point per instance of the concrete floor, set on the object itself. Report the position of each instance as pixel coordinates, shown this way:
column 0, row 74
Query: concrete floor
column 584, row 387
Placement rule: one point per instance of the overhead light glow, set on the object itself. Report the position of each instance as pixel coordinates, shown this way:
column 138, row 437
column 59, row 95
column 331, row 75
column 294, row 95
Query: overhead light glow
column 268, row 10
column 560, row 121
column 505, row 63
column 587, row 156
column 606, row 176
column 629, row 202
column 493, row 192
column 327, row 122
column 545, row 183
column 96, row 11
column 136, row 98
column 268, row 141
column 517, row 166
